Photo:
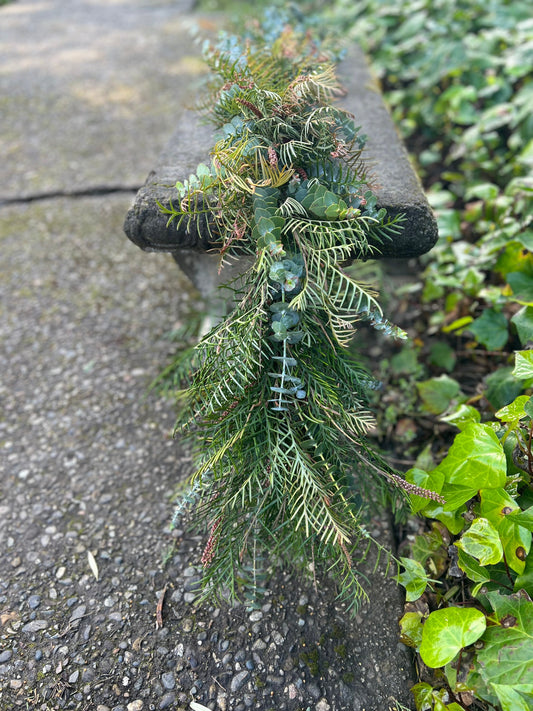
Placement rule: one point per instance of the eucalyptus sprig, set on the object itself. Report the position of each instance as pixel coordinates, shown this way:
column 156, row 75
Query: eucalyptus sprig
column 276, row 408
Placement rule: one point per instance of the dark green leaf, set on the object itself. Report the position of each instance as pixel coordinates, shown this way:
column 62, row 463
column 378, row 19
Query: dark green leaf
column 506, row 658
column 502, row 387
column 442, row 355
column 523, row 320
column 490, row 329
column 438, row 393
column 522, row 285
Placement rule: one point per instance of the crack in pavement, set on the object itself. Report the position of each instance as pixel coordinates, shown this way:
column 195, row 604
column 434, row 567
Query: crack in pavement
column 78, row 193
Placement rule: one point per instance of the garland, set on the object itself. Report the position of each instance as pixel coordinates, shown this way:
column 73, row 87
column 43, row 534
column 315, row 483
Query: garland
column 275, row 402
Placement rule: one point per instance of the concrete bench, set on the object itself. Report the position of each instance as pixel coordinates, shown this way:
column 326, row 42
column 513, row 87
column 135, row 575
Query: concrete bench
column 395, row 183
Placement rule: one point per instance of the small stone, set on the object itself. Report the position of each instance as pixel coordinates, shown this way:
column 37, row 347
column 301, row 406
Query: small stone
column 38, row 655
column 15, row 562
column 255, row 616
column 15, row 683
column 322, row 705
column 238, row 680
column 87, row 675
column 168, row 681
column 34, row 601
column 35, row 626
column 167, row 700
column 5, row 656
column 135, row 705
column 60, row 572
column 77, row 613
column 313, row 689
column 73, row 678
column 187, row 625
column 278, row 638
column 101, row 707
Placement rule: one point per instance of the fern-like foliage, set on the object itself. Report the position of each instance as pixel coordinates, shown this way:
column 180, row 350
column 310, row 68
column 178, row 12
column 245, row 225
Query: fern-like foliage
column 276, row 408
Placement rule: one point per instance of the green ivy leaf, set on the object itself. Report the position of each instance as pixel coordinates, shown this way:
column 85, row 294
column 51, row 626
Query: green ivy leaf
column 411, row 629
column 414, row 578
column 523, row 320
column 522, row 285
column 496, row 504
column 447, row 631
column 523, row 518
column 524, row 581
column 516, row 542
column 475, row 461
column 462, row 416
column 438, row 393
column 482, row 541
column 442, row 355
column 514, row 411
column 428, row 545
column 475, row 572
column 523, row 368
column 506, row 659
column 502, row 387
column 512, row 700
column 423, row 696
column 490, row 329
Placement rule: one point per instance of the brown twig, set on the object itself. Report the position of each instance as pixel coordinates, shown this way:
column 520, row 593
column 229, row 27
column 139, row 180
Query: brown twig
column 159, row 609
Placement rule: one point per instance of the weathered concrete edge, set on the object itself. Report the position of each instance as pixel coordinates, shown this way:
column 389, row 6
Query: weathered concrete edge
column 394, row 180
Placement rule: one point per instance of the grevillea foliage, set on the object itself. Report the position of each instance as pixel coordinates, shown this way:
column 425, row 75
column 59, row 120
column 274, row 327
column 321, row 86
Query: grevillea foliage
column 275, row 402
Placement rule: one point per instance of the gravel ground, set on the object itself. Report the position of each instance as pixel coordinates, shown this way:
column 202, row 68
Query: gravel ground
column 87, row 462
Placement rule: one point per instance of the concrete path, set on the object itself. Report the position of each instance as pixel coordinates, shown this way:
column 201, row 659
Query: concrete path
column 90, row 92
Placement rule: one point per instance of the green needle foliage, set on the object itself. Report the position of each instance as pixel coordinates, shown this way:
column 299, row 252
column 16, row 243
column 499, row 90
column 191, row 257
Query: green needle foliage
column 276, row 406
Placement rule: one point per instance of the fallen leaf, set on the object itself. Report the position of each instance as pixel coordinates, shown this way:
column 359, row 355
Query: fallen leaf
column 7, row 617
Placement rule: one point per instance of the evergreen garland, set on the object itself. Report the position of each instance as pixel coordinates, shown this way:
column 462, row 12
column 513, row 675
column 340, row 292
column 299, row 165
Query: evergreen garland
column 275, row 402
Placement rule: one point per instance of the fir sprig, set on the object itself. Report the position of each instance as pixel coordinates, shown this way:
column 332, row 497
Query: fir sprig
column 276, row 407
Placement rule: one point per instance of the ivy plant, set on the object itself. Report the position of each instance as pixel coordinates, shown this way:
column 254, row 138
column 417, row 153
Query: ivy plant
column 275, row 402
column 470, row 579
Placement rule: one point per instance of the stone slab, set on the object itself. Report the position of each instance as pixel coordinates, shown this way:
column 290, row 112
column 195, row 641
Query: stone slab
column 394, row 181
